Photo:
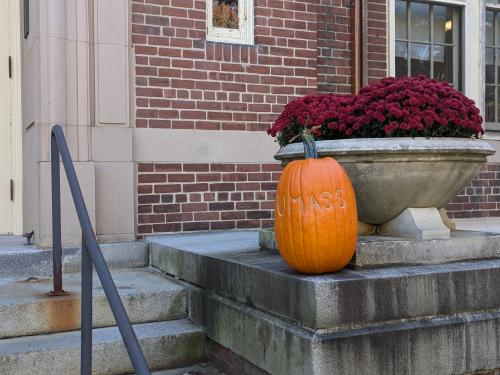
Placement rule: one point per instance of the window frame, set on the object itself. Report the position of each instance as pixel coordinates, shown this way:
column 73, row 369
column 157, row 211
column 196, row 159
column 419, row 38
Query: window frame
column 491, row 126
column 243, row 35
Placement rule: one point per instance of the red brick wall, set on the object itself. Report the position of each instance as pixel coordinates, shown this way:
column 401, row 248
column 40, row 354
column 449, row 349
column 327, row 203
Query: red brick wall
column 335, row 44
column 376, row 40
column 335, row 57
column 186, row 197
column 183, row 81
column 481, row 198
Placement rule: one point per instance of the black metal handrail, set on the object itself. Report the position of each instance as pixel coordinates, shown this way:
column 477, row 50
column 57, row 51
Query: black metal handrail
column 91, row 256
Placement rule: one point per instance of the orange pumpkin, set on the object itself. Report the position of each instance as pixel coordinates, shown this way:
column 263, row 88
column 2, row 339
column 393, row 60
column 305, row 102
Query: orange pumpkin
column 316, row 217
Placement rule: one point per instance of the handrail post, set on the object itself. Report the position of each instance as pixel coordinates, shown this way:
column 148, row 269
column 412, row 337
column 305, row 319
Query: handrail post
column 86, row 311
column 56, row 218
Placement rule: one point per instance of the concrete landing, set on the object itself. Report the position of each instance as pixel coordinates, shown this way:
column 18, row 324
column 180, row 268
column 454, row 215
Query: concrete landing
column 382, row 251
column 26, row 309
column 166, row 345
column 427, row 319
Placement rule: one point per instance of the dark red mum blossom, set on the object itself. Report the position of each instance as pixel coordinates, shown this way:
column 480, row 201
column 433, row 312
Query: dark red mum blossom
column 321, row 112
column 392, row 107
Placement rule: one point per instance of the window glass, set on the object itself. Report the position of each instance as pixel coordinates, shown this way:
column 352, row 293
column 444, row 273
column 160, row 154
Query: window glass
column 401, row 25
column 419, row 22
column 443, row 24
column 401, row 59
column 489, row 24
column 442, row 57
column 490, row 103
column 225, row 14
column 420, row 59
column 490, row 66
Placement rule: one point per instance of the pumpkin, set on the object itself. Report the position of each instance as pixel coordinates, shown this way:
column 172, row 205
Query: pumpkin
column 315, row 213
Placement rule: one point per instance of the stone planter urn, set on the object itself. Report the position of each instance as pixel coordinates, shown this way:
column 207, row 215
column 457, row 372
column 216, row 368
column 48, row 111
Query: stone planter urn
column 400, row 183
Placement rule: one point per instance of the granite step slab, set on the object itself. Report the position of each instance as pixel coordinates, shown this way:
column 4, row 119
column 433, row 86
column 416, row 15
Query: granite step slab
column 172, row 344
column 232, row 265
column 30, row 261
column 26, row 309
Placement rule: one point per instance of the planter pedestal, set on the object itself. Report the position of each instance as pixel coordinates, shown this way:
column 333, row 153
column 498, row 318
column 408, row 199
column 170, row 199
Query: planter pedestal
column 419, row 223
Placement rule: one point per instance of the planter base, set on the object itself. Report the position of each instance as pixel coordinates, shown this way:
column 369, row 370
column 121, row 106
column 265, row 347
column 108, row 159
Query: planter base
column 419, row 223
column 382, row 251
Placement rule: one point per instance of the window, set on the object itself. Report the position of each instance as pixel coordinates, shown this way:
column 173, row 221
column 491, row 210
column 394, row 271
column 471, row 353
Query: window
column 427, row 40
column 492, row 68
column 230, row 21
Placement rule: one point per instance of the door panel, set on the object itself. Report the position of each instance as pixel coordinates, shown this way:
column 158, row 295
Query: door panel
column 5, row 122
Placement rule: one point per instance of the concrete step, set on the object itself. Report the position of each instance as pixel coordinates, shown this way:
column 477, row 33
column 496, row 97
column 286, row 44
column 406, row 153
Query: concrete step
column 26, row 309
column 30, row 261
column 232, row 265
column 172, row 344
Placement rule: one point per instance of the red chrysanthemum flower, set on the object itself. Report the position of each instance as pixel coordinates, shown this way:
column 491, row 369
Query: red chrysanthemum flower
column 392, row 107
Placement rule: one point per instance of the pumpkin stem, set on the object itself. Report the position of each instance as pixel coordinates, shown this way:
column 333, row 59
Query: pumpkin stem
column 310, row 150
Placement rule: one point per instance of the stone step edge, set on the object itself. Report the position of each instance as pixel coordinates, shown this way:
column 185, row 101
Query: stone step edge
column 346, row 330
column 166, row 345
column 38, row 262
column 62, row 314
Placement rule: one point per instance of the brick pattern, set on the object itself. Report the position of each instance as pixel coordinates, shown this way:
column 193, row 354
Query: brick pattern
column 376, row 40
column 335, row 44
column 185, row 82
column 481, row 198
column 335, row 55
column 176, row 197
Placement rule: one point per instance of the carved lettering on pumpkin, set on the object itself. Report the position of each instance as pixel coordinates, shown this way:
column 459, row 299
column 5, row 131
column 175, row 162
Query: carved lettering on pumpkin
column 325, row 201
column 301, row 202
column 338, row 197
column 281, row 207
column 313, row 203
column 325, row 197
